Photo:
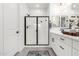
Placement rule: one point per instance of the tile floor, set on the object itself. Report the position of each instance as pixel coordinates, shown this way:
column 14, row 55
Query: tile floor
column 25, row 51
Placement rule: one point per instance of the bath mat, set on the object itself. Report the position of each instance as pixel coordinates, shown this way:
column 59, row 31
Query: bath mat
column 38, row 53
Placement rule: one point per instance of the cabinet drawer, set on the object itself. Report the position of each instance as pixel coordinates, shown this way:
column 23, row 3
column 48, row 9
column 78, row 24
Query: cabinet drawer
column 75, row 52
column 76, row 44
column 58, row 51
column 53, row 35
column 61, row 45
column 67, row 50
column 65, row 40
column 64, row 50
column 51, row 39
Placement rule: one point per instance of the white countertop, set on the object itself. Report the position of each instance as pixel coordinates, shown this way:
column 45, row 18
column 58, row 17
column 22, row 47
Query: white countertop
column 56, row 30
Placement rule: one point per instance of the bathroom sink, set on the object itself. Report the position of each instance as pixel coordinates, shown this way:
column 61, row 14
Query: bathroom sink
column 72, row 32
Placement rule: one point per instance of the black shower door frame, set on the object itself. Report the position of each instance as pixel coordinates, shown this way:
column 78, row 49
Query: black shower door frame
column 36, row 32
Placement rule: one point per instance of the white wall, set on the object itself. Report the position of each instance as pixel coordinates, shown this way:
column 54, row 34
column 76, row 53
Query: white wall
column 39, row 12
column 48, row 11
column 57, row 9
column 64, row 9
column 23, row 10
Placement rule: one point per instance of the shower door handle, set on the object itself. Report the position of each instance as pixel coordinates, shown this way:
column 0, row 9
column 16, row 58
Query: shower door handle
column 27, row 27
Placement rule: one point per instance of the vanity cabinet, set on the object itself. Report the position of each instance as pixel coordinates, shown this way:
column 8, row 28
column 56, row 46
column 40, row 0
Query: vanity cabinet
column 65, row 49
column 65, row 40
column 75, row 48
column 75, row 52
column 54, row 44
column 61, row 45
column 76, row 45
column 64, row 46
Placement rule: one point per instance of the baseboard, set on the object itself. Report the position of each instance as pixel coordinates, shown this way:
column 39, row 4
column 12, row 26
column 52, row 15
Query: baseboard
column 36, row 46
column 54, row 51
column 16, row 53
column 12, row 53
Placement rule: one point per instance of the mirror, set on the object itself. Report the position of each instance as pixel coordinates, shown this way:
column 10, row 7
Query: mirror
column 74, row 22
column 64, row 22
column 60, row 21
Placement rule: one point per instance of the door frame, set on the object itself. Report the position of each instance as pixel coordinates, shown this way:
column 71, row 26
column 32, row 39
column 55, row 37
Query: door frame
column 36, row 33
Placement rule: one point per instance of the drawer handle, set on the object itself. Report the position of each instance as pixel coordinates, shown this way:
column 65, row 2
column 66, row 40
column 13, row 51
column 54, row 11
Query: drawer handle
column 61, row 47
column 61, row 38
column 52, row 39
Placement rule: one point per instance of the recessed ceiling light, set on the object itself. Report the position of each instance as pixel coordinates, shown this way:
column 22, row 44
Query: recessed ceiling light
column 37, row 5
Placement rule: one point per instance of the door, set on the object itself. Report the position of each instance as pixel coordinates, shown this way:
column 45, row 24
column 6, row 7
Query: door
column 42, row 30
column 10, row 28
column 31, row 30
column 1, row 29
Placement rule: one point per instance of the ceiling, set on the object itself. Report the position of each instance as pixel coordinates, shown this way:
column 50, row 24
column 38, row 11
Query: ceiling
column 38, row 5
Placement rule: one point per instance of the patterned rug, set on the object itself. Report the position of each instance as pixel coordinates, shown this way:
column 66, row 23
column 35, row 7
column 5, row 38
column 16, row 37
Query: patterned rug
column 38, row 53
